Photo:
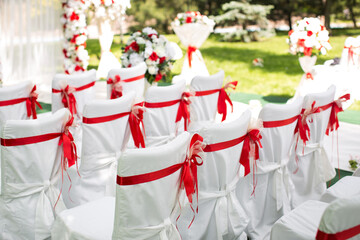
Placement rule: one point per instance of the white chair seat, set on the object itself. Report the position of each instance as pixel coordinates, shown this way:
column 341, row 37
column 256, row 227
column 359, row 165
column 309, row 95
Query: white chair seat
column 93, row 220
column 346, row 187
column 301, row 223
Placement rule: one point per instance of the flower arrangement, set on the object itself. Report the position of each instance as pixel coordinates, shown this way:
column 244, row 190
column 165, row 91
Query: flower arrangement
column 75, row 32
column 153, row 49
column 308, row 37
column 192, row 17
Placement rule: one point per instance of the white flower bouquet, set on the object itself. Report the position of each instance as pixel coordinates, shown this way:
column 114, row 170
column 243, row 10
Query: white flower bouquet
column 153, row 49
column 192, row 17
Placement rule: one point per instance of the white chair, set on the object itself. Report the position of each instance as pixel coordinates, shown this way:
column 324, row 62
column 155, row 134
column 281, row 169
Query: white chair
column 80, row 85
column 130, row 79
column 220, row 214
column 143, row 208
column 31, row 160
column 314, row 168
column 265, row 192
column 321, row 221
column 161, row 107
column 204, row 108
column 350, row 54
column 346, row 187
column 105, row 131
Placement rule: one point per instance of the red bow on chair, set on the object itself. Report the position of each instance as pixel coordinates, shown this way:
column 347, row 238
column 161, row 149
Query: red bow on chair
column 116, row 87
column 223, row 97
column 333, row 124
column 69, row 147
column 350, row 54
column 302, row 127
column 183, row 111
column 309, row 76
column 190, row 51
column 68, row 98
column 31, row 103
column 137, row 125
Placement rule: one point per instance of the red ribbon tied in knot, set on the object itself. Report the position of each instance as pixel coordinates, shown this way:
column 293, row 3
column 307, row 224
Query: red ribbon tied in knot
column 350, row 54
column 223, row 97
column 190, row 51
column 250, row 148
column 309, row 76
column 183, row 111
column 69, row 147
column 68, row 98
column 137, row 125
column 302, row 127
column 31, row 103
column 333, row 124
column 116, row 87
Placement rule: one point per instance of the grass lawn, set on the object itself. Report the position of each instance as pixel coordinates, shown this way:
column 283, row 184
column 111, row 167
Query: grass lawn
column 279, row 77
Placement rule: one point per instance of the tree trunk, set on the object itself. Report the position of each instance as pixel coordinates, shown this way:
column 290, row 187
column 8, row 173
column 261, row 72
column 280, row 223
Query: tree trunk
column 350, row 4
column 327, row 12
column 289, row 13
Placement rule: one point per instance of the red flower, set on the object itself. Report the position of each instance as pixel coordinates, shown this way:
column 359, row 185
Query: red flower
column 129, row 65
column 77, row 59
column 153, row 56
column 158, row 77
column 67, row 72
column 188, row 20
column 133, row 45
column 65, row 52
column 73, row 40
column 150, row 35
column 301, row 42
column 307, row 51
column 78, row 68
column 162, row 60
column 309, row 33
column 290, row 32
column 322, row 28
column 74, row 17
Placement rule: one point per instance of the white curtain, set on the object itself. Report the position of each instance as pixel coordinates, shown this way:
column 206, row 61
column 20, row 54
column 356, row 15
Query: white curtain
column 31, row 42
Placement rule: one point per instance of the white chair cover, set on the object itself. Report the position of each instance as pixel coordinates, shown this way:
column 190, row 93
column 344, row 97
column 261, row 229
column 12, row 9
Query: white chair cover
column 159, row 122
column 204, row 108
column 220, row 214
column 351, row 53
column 143, row 211
column 301, row 223
column 15, row 111
column 101, row 147
column 314, row 168
column 346, row 187
column 75, row 80
column 31, row 175
column 338, row 220
column 137, row 86
column 271, row 197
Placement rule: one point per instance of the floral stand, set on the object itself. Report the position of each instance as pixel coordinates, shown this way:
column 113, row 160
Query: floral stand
column 192, row 36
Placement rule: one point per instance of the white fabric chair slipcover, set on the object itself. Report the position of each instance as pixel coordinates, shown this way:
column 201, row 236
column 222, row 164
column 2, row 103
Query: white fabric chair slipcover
column 357, row 172
column 220, row 214
column 350, row 54
column 101, row 147
column 142, row 211
column 204, row 108
column 14, row 111
column 31, row 178
column 137, row 86
column 315, row 219
column 314, row 168
column 75, row 80
column 346, row 187
column 271, row 198
column 159, row 122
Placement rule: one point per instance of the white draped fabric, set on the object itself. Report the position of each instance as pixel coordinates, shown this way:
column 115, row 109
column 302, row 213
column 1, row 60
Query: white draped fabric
column 30, row 41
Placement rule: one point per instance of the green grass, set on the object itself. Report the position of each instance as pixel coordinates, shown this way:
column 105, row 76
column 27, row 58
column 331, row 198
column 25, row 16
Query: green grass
column 278, row 78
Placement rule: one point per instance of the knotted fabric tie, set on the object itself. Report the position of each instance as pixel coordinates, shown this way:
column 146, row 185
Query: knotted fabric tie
column 116, row 84
column 183, row 111
column 69, row 147
column 31, row 103
column 336, row 107
column 251, row 150
column 137, row 125
column 190, row 51
column 68, row 97
column 302, row 127
column 350, row 54
column 309, row 76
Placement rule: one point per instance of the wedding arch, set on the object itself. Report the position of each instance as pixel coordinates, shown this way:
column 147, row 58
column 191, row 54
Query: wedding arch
column 76, row 56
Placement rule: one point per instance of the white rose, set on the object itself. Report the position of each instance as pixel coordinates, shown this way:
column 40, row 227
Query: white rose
column 153, row 70
column 135, row 59
column 140, row 40
column 161, row 51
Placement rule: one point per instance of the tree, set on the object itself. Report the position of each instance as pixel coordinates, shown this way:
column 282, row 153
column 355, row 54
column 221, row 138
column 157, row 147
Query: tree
column 350, row 4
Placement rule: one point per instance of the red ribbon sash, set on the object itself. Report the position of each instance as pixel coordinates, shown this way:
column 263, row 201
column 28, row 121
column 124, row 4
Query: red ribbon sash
column 190, row 51
column 252, row 138
column 68, row 98
column 161, row 104
column 104, row 118
column 223, row 98
column 116, row 90
column 346, row 234
column 137, row 125
column 183, row 111
column 31, row 103
column 350, row 54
